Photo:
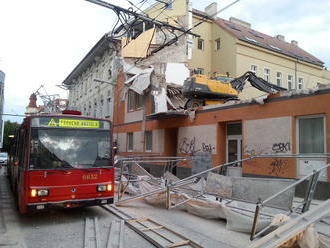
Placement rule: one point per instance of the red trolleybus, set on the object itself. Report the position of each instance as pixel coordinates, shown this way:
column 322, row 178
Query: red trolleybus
column 62, row 161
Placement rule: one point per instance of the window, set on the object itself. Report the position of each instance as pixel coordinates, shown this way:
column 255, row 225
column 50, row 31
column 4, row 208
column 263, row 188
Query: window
column 153, row 107
column 232, row 26
column 62, row 149
column 148, row 141
column 267, row 74
column 135, row 101
column 278, row 78
column 139, row 101
column 130, row 142
column 300, row 83
column 311, row 135
column 254, row 68
column 200, row 44
column 290, row 82
column 217, row 44
column 199, row 71
column 131, row 100
column 234, row 128
column 109, row 74
column 250, row 39
column 275, row 47
column 169, row 5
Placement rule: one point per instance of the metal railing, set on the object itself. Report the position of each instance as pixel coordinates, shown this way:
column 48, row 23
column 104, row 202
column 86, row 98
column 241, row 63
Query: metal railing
column 306, row 203
column 259, row 205
column 127, row 161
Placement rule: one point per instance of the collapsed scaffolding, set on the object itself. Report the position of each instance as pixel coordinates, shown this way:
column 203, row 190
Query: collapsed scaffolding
column 210, row 194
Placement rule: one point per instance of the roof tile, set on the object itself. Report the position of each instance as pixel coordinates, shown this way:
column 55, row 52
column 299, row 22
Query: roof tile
column 263, row 40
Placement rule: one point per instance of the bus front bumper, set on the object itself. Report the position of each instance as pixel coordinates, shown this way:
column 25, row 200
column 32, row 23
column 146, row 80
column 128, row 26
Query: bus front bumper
column 69, row 204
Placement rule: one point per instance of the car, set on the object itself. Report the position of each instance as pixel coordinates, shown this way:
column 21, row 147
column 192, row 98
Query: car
column 3, row 158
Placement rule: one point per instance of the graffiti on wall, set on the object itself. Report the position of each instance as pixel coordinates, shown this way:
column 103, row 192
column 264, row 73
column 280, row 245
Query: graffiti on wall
column 260, row 149
column 190, row 146
column 278, row 166
column 253, row 150
column 281, row 147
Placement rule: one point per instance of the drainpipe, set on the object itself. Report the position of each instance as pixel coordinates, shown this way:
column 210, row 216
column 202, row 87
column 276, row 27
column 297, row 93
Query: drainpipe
column 295, row 74
column 144, row 100
column 189, row 22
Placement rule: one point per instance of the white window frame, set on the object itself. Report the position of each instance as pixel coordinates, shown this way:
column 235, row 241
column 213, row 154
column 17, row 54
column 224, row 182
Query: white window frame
column 203, row 44
column 297, row 139
column 267, row 76
column 312, row 117
column 256, row 69
column 290, row 81
column 238, row 137
column 217, row 42
column 300, row 85
column 279, row 78
column 200, row 71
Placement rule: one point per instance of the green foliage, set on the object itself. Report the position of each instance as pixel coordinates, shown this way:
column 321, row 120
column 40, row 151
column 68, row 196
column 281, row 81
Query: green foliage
column 10, row 129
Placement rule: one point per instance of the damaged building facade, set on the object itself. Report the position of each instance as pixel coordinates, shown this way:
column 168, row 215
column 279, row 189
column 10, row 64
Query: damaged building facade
column 232, row 47
column 141, row 94
column 287, row 123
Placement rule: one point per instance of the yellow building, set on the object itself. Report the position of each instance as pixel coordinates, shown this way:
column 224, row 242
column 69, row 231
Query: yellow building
column 232, row 47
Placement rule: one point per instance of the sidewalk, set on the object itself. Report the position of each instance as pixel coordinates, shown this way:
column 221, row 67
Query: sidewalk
column 10, row 235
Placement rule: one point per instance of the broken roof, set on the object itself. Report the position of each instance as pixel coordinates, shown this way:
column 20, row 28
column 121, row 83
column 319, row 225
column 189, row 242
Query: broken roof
column 262, row 40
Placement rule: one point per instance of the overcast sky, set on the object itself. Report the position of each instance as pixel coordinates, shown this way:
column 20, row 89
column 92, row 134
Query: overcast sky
column 41, row 41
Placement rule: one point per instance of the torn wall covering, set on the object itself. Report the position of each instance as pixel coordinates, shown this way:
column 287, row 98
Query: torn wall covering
column 141, row 79
column 139, row 47
column 160, row 98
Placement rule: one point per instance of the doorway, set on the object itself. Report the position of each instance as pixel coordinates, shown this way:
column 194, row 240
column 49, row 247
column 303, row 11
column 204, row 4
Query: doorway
column 170, row 147
column 234, row 147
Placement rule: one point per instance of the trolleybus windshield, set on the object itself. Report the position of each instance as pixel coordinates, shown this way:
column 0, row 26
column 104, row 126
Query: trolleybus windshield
column 61, row 148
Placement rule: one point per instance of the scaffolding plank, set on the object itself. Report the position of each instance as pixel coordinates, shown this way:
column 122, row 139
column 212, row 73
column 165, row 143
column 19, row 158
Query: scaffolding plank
column 116, row 234
column 293, row 227
column 157, row 234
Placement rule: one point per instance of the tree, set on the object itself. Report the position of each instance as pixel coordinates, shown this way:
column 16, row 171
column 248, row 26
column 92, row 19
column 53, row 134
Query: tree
column 10, row 130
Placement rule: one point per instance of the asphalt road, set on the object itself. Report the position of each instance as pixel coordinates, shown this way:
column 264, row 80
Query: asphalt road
column 56, row 228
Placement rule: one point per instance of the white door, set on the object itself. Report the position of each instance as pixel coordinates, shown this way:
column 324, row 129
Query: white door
column 234, row 148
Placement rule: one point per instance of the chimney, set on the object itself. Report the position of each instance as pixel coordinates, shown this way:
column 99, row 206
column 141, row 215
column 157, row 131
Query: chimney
column 211, row 9
column 280, row 37
column 294, row 42
column 240, row 22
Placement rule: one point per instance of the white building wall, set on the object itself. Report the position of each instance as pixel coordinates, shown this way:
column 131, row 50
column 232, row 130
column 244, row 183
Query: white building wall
column 201, row 138
column 94, row 98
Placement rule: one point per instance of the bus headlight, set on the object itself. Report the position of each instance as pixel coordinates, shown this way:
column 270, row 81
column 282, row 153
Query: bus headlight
column 101, row 188
column 39, row 192
column 109, row 187
column 42, row 192
column 33, row 192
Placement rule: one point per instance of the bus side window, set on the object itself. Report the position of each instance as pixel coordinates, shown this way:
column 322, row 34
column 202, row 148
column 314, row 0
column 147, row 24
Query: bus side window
column 34, row 150
column 21, row 148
